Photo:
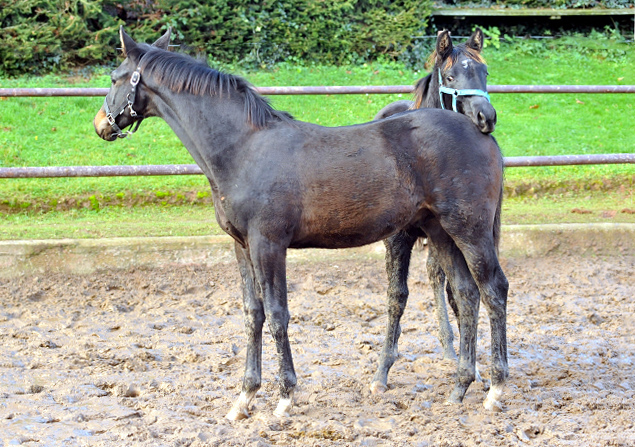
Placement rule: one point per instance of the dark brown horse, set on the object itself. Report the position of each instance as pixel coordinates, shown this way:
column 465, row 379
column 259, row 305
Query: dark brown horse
column 278, row 183
column 458, row 81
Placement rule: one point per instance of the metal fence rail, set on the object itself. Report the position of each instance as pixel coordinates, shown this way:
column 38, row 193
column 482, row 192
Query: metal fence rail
column 192, row 169
column 338, row 90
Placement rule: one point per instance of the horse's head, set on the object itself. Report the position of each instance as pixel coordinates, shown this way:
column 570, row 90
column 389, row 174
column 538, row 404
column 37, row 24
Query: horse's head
column 126, row 103
column 462, row 76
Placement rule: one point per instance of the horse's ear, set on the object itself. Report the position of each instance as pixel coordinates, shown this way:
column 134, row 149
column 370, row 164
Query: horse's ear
column 127, row 44
column 164, row 41
column 475, row 41
column 444, row 46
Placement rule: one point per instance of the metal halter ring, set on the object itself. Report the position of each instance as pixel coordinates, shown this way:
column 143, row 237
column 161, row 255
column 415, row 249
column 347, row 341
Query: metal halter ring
column 456, row 93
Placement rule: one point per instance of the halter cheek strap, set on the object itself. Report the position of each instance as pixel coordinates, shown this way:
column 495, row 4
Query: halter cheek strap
column 456, row 93
column 130, row 98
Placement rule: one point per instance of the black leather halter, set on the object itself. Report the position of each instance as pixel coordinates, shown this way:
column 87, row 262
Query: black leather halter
column 110, row 116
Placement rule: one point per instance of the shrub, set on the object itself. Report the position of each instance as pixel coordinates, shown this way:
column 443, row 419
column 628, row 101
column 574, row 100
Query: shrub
column 38, row 36
column 44, row 35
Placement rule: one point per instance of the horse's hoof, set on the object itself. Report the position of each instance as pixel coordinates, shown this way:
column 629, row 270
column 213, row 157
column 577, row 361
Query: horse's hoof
column 492, row 405
column 284, row 408
column 452, row 401
column 492, row 401
column 378, row 388
column 456, row 397
column 237, row 414
column 240, row 409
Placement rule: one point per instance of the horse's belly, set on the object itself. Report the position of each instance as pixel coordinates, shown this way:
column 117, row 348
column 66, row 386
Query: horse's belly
column 353, row 228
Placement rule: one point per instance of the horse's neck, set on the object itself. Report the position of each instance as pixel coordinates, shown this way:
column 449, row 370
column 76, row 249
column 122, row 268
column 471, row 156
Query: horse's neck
column 209, row 127
column 431, row 100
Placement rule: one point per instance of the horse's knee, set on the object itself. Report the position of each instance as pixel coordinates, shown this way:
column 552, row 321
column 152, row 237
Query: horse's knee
column 468, row 295
column 495, row 296
column 254, row 317
column 397, row 299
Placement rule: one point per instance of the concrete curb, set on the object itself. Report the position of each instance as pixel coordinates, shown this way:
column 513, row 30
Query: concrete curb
column 84, row 256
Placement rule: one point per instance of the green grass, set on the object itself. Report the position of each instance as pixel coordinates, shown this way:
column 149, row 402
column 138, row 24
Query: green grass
column 111, row 222
column 198, row 220
column 59, row 132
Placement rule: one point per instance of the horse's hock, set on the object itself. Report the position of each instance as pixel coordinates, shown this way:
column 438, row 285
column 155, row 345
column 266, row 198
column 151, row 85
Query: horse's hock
column 85, row 256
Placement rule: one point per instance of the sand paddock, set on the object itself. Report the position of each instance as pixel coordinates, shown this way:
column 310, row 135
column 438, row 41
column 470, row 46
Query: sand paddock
column 155, row 357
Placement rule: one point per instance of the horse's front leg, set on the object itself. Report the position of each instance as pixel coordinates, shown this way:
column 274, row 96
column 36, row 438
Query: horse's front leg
column 254, row 315
column 269, row 259
column 398, row 251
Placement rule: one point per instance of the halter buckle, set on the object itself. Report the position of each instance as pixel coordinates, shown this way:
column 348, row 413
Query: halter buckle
column 134, row 79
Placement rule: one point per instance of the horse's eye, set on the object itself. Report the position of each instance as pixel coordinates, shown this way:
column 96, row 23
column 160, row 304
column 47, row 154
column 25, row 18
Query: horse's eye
column 450, row 78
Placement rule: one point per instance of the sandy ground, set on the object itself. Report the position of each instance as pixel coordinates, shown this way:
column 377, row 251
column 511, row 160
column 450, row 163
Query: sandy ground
column 155, row 357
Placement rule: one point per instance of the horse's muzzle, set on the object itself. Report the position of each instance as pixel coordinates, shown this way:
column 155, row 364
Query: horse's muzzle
column 103, row 127
column 484, row 116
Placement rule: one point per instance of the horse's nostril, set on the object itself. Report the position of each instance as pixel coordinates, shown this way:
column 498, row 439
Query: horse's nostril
column 481, row 117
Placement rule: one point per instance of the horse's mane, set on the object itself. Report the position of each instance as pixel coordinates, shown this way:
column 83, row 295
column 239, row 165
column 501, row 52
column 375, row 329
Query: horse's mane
column 457, row 50
column 180, row 73
column 421, row 87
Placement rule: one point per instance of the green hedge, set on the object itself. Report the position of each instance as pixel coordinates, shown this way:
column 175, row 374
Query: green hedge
column 558, row 4
column 39, row 36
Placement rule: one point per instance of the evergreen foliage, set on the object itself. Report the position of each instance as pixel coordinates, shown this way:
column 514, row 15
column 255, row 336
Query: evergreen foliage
column 39, row 36
column 556, row 4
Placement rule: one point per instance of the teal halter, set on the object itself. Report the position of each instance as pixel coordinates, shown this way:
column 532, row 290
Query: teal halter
column 456, row 93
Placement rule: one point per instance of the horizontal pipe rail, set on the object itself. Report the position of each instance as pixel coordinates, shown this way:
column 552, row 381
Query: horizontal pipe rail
column 338, row 90
column 568, row 160
column 192, row 169
column 99, row 171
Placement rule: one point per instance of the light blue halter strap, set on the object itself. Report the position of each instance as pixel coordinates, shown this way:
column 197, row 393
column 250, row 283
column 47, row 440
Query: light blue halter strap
column 456, row 93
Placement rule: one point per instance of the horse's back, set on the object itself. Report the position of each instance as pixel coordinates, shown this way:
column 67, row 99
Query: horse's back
column 394, row 108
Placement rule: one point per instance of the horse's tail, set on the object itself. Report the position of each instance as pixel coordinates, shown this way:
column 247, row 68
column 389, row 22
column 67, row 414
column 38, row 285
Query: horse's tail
column 499, row 206
column 497, row 220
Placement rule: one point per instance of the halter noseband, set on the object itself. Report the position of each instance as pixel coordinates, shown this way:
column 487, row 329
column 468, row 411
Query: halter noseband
column 110, row 116
column 456, row 93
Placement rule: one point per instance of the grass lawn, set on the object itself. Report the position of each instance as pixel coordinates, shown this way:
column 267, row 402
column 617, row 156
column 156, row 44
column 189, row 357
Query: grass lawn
column 58, row 132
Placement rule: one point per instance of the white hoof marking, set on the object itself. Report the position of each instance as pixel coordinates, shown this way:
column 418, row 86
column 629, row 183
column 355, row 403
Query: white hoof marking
column 492, row 402
column 284, row 407
column 377, row 388
column 240, row 409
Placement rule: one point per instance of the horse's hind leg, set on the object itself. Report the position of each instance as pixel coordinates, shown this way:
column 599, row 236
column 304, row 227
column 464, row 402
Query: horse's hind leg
column 254, row 318
column 480, row 256
column 466, row 296
column 398, row 251
column 493, row 286
column 437, row 279
column 455, row 309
